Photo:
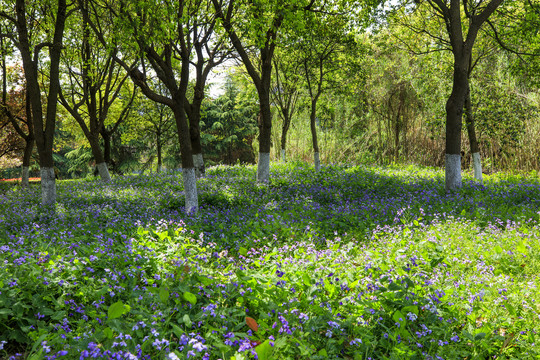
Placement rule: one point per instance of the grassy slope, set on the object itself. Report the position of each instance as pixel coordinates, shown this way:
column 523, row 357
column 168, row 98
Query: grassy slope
column 350, row 263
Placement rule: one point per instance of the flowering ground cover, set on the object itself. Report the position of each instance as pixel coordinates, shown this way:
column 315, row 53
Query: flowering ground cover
column 349, row 263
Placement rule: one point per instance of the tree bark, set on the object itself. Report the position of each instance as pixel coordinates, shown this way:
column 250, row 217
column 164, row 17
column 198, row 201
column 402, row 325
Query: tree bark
column 101, row 164
column 475, row 149
column 188, row 170
column 158, row 145
column 313, row 126
column 462, row 50
column 261, row 79
column 194, row 116
column 27, row 157
column 284, row 130
column 265, row 126
column 454, row 112
column 106, row 146
column 43, row 130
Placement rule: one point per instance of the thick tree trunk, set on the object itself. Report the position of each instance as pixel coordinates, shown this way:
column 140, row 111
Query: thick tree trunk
column 43, row 130
column 101, row 164
column 195, row 133
column 263, row 167
column 265, row 133
column 317, row 161
column 188, row 171
column 25, row 175
column 283, row 154
column 103, row 172
column 198, row 163
column 313, row 126
column 475, row 149
column 454, row 112
column 48, row 186
column 106, row 146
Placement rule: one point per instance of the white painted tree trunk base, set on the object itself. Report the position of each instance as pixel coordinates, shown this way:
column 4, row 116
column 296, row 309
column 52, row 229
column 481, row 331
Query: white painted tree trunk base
column 48, row 186
column 104, row 172
column 452, row 172
column 477, row 166
column 263, row 168
column 198, row 163
column 190, row 190
column 317, row 162
column 283, row 155
column 25, row 177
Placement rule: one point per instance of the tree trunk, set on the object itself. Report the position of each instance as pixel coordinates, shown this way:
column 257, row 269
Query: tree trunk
column 198, row 163
column 48, row 186
column 106, row 146
column 454, row 112
column 284, row 130
column 313, row 126
column 101, row 164
column 195, row 133
column 265, row 133
column 475, row 149
column 25, row 175
column 158, row 145
column 188, row 170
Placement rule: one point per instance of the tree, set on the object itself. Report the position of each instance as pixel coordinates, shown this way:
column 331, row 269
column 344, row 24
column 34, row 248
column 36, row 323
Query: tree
column 210, row 51
column 320, row 42
column 30, row 41
column 15, row 111
column 160, row 32
column 229, row 125
column 285, row 92
column 477, row 13
column 95, row 83
column 157, row 120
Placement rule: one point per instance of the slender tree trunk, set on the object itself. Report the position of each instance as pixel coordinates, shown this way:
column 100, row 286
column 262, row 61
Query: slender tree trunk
column 475, row 149
column 313, row 126
column 158, row 145
column 284, row 130
column 454, row 113
column 25, row 175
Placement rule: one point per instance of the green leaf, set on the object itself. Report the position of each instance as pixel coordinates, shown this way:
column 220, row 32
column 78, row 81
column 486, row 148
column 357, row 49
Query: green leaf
column 264, row 350
column 190, row 297
column 5, row 311
column 187, row 320
column 306, row 279
column 116, row 310
column 177, row 331
column 410, row 309
column 163, row 294
column 323, row 353
column 399, row 317
column 243, row 251
column 108, row 333
column 38, row 343
column 480, row 336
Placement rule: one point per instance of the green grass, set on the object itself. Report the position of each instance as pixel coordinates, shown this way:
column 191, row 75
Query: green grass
column 352, row 263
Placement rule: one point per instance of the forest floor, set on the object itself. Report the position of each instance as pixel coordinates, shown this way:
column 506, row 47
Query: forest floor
column 351, row 262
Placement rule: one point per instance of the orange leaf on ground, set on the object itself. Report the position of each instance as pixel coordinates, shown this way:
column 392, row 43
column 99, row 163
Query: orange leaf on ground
column 252, row 323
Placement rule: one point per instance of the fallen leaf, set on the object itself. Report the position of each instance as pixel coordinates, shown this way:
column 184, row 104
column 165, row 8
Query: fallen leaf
column 252, row 323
